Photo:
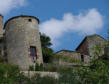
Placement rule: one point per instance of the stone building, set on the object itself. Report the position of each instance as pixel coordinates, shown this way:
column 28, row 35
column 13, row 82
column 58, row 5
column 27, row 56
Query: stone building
column 68, row 57
column 85, row 51
column 89, row 44
column 21, row 42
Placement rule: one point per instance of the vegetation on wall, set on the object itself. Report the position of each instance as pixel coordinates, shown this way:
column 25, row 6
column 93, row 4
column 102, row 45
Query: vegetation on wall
column 68, row 59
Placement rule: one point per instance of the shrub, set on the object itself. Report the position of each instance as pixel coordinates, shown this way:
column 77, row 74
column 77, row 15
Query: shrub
column 39, row 67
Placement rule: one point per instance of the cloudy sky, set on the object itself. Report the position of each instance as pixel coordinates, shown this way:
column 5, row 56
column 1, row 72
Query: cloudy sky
column 67, row 22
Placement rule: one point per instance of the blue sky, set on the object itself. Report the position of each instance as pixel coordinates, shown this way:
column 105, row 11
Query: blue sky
column 67, row 22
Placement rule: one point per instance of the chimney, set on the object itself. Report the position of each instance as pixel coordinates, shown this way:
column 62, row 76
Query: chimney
column 1, row 25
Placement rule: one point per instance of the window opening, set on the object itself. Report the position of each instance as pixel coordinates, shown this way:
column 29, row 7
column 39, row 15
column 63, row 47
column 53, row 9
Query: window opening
column 33, row 53
column 30, row 20
column 82, row 58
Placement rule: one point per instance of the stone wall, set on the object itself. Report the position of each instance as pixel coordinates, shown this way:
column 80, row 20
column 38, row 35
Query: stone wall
column 93, row 41
column 42, row 74
column 71, row 58
column 1, row 25
column 89, row 44
column 83, row 47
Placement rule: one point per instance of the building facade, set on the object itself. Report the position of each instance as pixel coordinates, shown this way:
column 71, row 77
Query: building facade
column 90, row 43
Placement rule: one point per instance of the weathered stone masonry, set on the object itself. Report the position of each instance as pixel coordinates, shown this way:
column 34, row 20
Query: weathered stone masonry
column 21, row 34
column 89, row 43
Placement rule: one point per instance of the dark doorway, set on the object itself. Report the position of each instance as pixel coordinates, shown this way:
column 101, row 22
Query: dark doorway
column 82, row 58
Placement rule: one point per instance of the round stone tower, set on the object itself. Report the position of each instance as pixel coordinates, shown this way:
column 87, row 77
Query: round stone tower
column 23, row 41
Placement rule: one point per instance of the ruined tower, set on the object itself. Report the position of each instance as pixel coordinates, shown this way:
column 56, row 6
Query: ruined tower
column 23, row 41
column 1, row 25
column 1, row 39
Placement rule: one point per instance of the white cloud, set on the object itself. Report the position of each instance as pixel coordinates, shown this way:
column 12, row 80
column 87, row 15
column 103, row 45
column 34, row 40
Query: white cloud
column 84, row 23
column 7, row 5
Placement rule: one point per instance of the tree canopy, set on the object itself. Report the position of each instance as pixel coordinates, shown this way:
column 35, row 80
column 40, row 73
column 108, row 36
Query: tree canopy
column 47, row 52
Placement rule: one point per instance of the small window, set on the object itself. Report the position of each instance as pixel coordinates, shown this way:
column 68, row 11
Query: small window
column 30, row 20
column 82, row 58
column 33, row 53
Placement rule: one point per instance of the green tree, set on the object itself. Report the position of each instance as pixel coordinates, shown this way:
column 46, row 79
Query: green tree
column 45, row 41
column 47, row 52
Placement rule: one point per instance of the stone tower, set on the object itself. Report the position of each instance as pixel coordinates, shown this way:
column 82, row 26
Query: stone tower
column 1, row 39
column 23, row 41
column 1, row 25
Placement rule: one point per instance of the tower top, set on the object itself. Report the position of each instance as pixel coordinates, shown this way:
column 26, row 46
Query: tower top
column 20, row 16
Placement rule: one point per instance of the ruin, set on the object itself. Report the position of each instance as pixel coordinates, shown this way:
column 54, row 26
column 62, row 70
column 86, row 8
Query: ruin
column 20, row 44
column 86, row 50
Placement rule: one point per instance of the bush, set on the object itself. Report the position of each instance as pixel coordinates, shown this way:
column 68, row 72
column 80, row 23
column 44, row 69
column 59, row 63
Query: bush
column 39, row 67
column 10, row 74
column 31, row 68
column 50, row 68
